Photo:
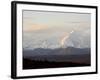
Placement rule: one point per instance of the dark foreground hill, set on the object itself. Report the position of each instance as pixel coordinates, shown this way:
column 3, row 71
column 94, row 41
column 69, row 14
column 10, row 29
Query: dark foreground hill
column 33, row 64
column 52, row 58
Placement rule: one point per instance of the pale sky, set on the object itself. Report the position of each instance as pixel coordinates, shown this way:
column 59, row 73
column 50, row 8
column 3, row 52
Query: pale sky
column 48, row 29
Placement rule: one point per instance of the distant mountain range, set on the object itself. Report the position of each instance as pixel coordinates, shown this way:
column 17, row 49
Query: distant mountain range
column 59, row 55
column 58, row 51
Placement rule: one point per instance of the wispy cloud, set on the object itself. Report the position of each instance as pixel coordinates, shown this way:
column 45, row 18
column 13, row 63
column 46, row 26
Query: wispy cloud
column 35, row 27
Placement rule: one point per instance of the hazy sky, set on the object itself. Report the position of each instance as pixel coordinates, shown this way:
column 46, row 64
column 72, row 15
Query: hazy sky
column 43, row 29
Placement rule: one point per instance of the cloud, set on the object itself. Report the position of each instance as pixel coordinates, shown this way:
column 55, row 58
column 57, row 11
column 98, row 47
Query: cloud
column 78, row 39
column 35, row 27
